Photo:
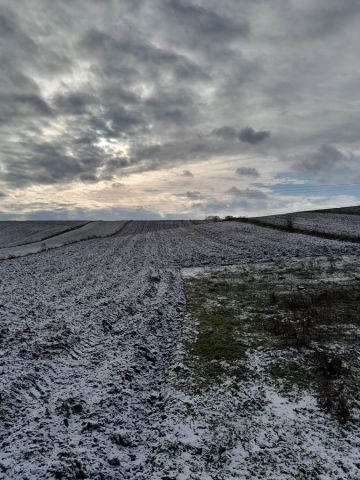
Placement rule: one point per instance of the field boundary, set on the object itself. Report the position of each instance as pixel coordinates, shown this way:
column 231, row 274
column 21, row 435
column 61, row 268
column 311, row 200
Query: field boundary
column 51, row 236
column 118, row 231
column 313, row 233
column 11, row 257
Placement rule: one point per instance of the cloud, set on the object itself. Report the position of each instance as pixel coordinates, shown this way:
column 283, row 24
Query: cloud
column 194, row 195
column 329, row 165
column 247, row 172
column 93, row 95
column 225, row 133
column 326, row 18
column 202, row 23
column 237, row 206
column 74, row 103
column 249, row 194
column 76, row 213
column 49, row 163
column 247, row 134
column 186, row 173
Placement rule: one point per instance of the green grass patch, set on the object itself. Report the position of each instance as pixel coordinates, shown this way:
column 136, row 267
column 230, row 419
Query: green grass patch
column 278, row 310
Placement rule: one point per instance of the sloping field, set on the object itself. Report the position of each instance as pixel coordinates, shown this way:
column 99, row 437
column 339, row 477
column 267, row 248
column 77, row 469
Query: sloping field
column 89, row 336
column 85, row 232
column 18, row 233
column 354, row 210
column 151, row 226
column 342, row 225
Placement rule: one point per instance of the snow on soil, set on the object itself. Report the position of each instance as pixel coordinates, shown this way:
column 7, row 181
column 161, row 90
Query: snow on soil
column 338, row 224
column 247, row 428
column 89, row 230
column 18, row 233
column 146, row 226
column 88, row 338
column 251, row 431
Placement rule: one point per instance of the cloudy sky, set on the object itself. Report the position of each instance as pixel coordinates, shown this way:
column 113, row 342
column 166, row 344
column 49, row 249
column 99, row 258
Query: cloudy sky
column 178, row 108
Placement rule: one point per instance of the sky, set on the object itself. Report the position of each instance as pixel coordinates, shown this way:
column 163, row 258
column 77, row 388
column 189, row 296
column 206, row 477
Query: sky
column 150, row 109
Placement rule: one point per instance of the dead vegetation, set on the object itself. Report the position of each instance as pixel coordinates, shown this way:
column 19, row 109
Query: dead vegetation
column 239, row 313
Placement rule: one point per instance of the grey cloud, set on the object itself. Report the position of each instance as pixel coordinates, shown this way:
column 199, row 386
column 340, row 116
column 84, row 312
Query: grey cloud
column 129, row 49
column 20, row 97
column 190, row 195
column 123, row 87
column 153, row 157
column 74, row 103
column 193, row 195
column 76, row 213
column 10, row 30
column 122, row 62
column 49, row 163
column 236, row 207
column 247, row 172
column 326, row 17
column 187, row 173
column 122, row 120
column 22, row 105
column 214, row 207
column 152, row 190
column 247, row 134
column 25, row 50
column 205, row 21
column 117, row 185
column 249, row 194
column 240, row 200
column 226, row 133
column 329, row 164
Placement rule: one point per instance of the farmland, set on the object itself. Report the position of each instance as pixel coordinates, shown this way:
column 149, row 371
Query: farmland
column 18, row 233
column 61, row 235
column 343, row 225
column 105, row 373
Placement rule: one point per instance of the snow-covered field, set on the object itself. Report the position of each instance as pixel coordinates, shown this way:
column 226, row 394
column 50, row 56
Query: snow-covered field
column 261, row 414
column 82, row 232
column 89, row 336
column 329, row 223
column 18, row 233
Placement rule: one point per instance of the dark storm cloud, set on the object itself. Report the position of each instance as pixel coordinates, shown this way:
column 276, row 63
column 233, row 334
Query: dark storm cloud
column 95, row 90
column 247, row 172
